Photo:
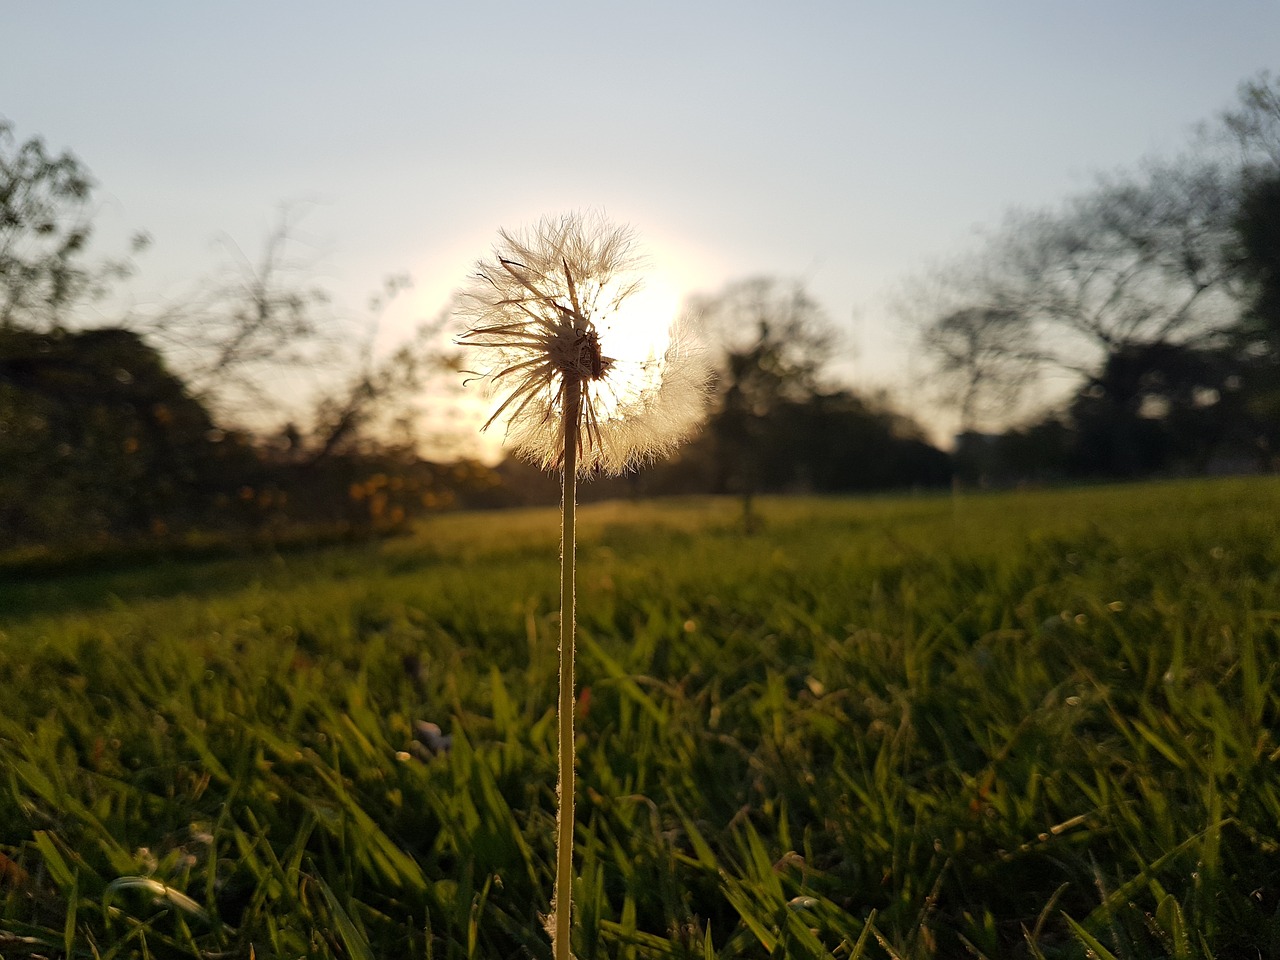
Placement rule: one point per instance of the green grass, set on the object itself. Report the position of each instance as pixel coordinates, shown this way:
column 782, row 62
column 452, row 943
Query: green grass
column 1035, row 724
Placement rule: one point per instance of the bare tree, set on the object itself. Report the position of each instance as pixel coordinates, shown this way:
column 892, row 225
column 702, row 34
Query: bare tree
column 378, row 401
column 1145, row 258
column 985, row 357
column 265, row 337
column 1139, row 260
column 1253, row 126
column 259, row 322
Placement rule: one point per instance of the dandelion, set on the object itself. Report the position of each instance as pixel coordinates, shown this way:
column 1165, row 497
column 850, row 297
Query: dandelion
column 585, row 384
column 554, row 315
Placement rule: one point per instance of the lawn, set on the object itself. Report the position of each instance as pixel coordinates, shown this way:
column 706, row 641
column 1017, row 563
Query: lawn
column 1024, row 724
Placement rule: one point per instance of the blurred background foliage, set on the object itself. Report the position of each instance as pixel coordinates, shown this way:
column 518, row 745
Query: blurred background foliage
column 1155, row 296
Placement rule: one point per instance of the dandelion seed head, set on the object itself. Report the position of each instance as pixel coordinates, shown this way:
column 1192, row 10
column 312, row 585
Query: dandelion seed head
column 561, row 306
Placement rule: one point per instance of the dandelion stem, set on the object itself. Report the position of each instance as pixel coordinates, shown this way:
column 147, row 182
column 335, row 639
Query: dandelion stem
column 563, row 898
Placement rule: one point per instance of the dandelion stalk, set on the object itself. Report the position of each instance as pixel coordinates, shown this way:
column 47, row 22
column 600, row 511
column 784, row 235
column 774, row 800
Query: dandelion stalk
column 579, row 391
column 560, row 903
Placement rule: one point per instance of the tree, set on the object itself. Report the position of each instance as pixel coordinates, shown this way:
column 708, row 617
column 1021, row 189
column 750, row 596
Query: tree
column 1141, row 260
column 779, row 423
column 837, row 441
column 125, row 429
column 1144, row 258
column 770, row 341
column 266, row 323
column 985, row 355
column 44, row 235
column 1253, row 126
column 1258, row 233
column 1257, row 343
column 97, row 438
column 375, row 405
column 1157, row 290
column 1156, row 407
column 243, row 329
column 225, row 340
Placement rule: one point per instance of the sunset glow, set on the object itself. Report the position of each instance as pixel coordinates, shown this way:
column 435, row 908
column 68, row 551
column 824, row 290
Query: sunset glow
column 635, row 337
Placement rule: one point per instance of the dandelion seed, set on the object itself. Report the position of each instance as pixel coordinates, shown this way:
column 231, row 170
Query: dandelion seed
column 555, row 312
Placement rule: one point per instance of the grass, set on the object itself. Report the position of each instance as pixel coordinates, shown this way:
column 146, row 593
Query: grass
column 1037, row 724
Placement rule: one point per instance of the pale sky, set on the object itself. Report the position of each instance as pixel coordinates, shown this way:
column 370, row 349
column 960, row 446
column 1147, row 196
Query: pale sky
column 847, row 144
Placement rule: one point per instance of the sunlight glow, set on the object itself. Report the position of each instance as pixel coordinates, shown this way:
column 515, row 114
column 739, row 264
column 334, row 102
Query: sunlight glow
column 635, row 336
column 636, row 322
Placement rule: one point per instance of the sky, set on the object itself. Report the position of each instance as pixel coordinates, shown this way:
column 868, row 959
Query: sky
column 848, row 145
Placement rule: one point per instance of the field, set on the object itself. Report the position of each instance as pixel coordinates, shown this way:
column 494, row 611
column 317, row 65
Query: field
column 1033, row 724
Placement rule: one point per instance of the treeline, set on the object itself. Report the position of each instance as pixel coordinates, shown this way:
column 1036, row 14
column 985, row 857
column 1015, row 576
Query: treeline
column 1156, row 295
column 126, row 434
column 778, row 423
column 100, row 443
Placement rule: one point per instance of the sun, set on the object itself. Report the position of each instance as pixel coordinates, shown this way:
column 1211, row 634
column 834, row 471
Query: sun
column 634, row 340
